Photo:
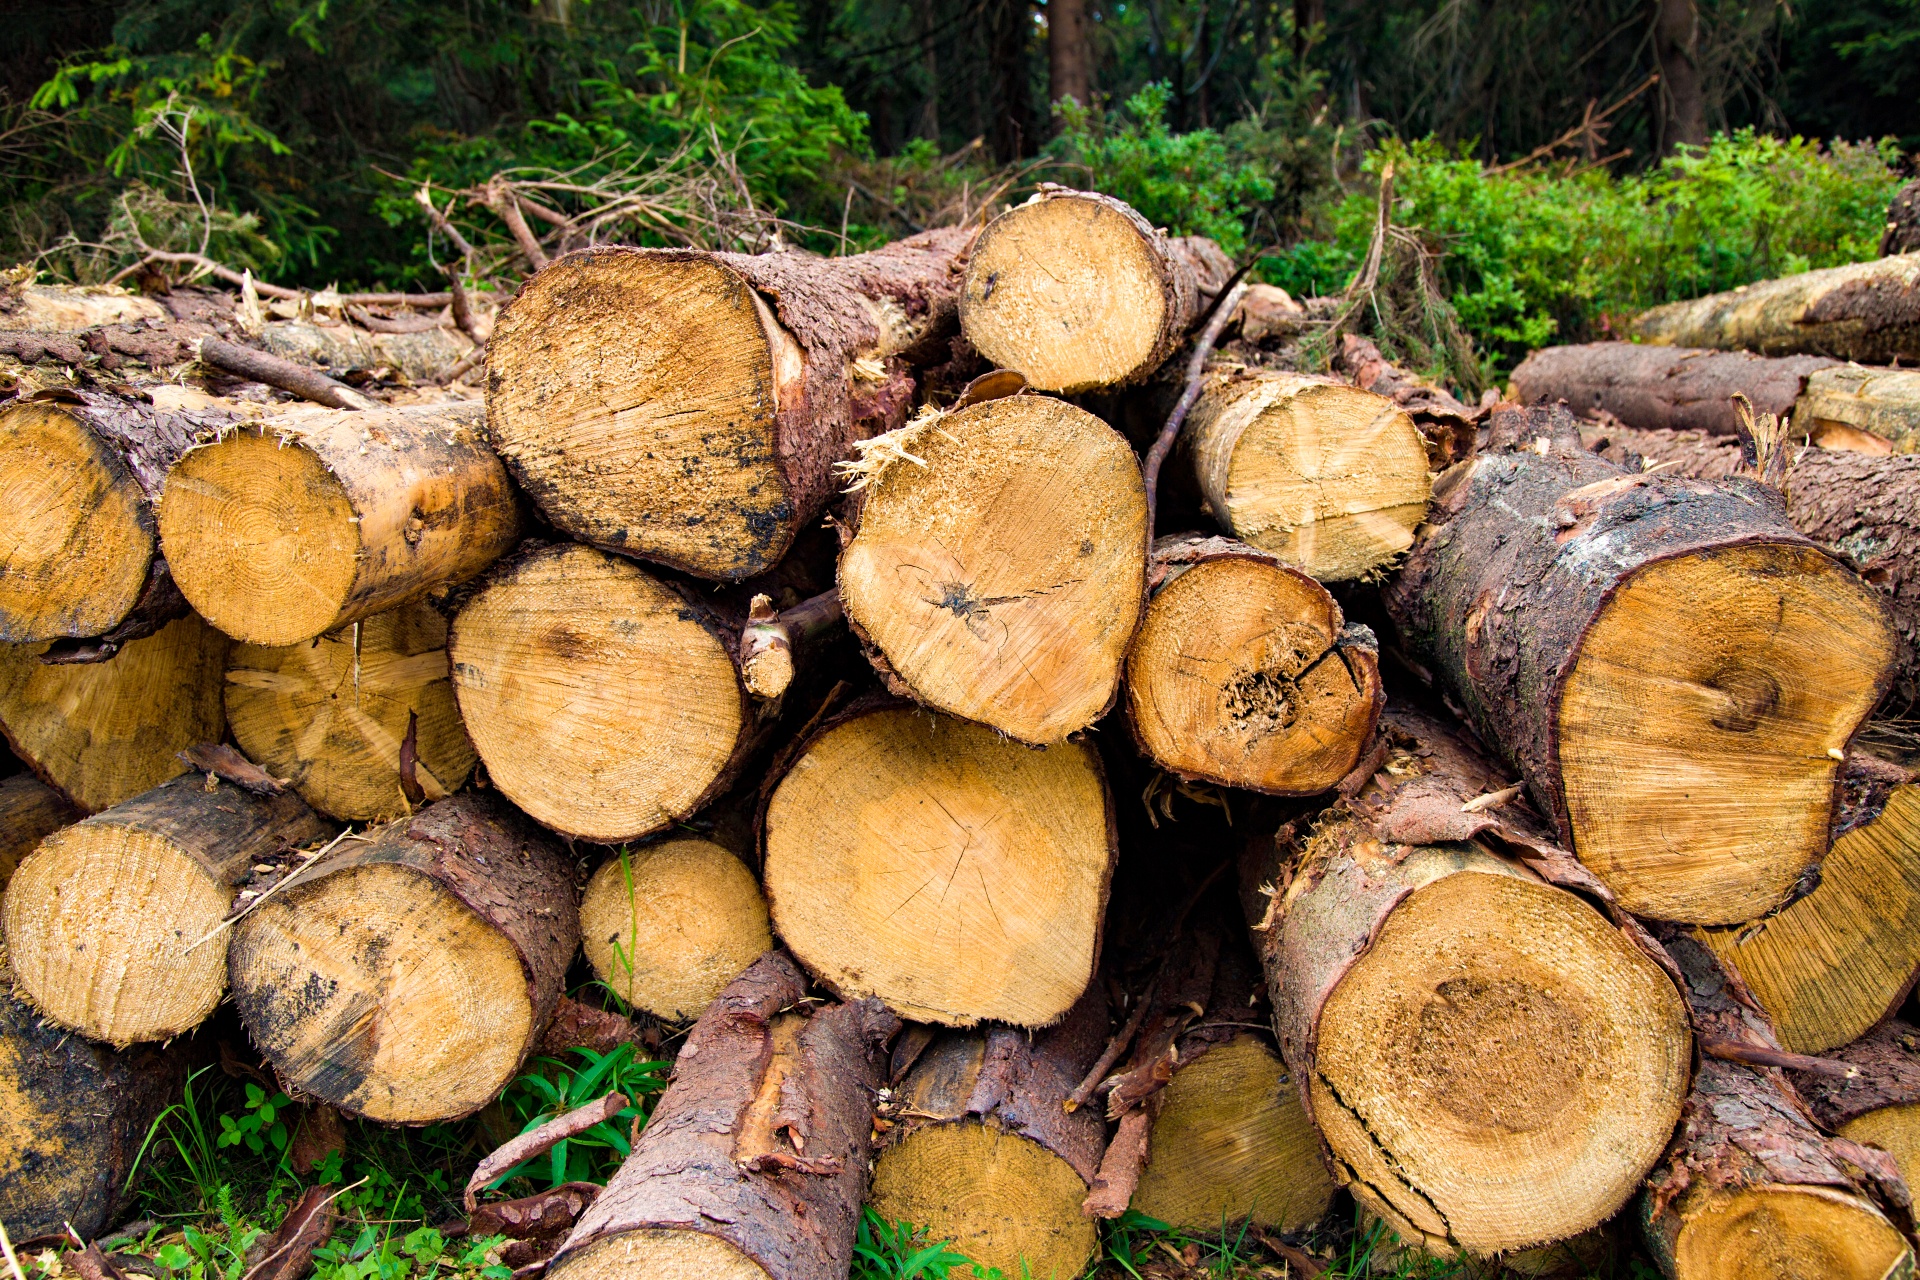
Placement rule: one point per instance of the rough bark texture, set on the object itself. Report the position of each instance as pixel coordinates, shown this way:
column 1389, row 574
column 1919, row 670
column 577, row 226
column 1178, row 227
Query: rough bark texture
column 1886, row 1062
column 1862, row 508
column 1903, row 222
column 760, row 1143
column 1069, row 52
column 1683, row 102
column 1868, row 311
column 30, row 811
column 422, row 356
column 1658, row 388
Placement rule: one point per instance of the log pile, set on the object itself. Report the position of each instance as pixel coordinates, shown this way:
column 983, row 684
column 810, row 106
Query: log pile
column 1437, row 815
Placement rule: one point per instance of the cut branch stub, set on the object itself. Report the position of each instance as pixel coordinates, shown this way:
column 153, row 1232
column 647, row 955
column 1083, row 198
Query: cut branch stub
column 1245, row 673
column 998, row 564
column 1674, row 669
column 1879, row 1105
column 108, row 922
column 688, row 407
column 1329, row 478
column 604, row 702
column 929, row 862
column 405, row 978
column 1076, row 291
column 281, row 534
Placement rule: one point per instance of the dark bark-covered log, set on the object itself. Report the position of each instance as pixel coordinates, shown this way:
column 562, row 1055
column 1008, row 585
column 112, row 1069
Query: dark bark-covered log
column 957, row 876
column 668, row 926
column 81, row 555
column 1862, row 508
column 74, row 1116
column 113, row 924
column 30, row 811
column 1866, row 311
column 979, row 1148
column 755, row 1162
column 103, row 732
column 1673, row 668
column 405, row 978
column 1245, row 673
column 1075, row 291
column 1493, row 1064
column 688, row 407
column 997, row 566
column 1879, row 1104
column 280, row 534
column 1749, row 1187
column 1902, row 234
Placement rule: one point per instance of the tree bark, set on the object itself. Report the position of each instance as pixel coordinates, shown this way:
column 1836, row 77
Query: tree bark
column 1075, row 291
column 996, row 566
column 1683, row 101
column 979, row 1148
column 1903, row 222
column 100, row 733
column 1246, row 674
column 1749, row 1186
column 688, row 407
column 421, row 356
column 1492, row 1063
column 1069, row 53
column 30, row 811
column 1862, row 508
column 114, row 924
column 1009, row 32
column 281, row 534
column 1868, row 311
column 895, row 841
column 755, row 1162
column 1866, row 410
column 1555, row 596
column 1878, row 1105
column 472, row 903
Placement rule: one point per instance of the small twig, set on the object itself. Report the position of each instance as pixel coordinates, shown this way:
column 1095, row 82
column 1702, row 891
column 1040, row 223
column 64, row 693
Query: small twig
column 258, row 366
column 1493, row 799
column 1758, row 1056
column 1294, row 1256
column 1223, row 310
column 501, row 198
column 1115, row 1047
column 294, row 1239
column 238, row 916
column 531, row 1144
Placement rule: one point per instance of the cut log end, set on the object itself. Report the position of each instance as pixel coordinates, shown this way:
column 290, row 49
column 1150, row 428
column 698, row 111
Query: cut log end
column 931, row 863
column 77, row 540
column 1895, row 1130
column 667, row 927
column 1776, row 1230
column 1703, row 717
column 600, row 700
column 660, row 1253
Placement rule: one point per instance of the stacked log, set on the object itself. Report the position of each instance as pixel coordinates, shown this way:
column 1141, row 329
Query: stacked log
column 1867, row 311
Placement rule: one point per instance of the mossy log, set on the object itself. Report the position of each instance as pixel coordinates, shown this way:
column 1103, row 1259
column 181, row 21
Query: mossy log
column 1878, row 1104
column 688, row 407
column 1865, row 311
column 283, row 532
column 114, row 924
column 30, row 811
column 755, row 1161
column 1673, row 668
column 1245, row 673
column 405, row 978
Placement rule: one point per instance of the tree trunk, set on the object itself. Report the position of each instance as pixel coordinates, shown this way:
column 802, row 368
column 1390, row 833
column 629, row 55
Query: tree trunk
column 332, row 716
column 30, row 811
column 422, row 356
column 82, row 559
column 1246, row 674
column 1684, row 389
column 1069, row 53
column 668, row 926
column 1075, row 291
column 1878, row 1105
column 99, row 733
column 406, row 978
column 755, row 1162
column 930, row 67
column 113, row 924
column 281, row 534
column 1492, row 1063
column 998, row 563
column 1862, row 508
column 1749, row 1187
column 605, row 702
column 74, row 1116
column 980, row 1150
column 957, row 876
column 1686, row 750
column 1009, row 31
column 1329, row 478
column 651, row 402
column 1868, row 311
column 1683, row 101
column 1843, row 958
column 1903, row 222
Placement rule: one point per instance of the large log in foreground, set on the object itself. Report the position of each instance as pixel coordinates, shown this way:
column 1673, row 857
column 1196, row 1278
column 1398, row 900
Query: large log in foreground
column 998, row 563
column 1866, row 311
column 929, row 862
column 406, row 978
column 1492, row 1063
column 1749, row 1187
column 278, row 535
column 1878, row 1103
column 653, row 403
column 1245, row 673
column 1675, row 670
column 1075, row 291
column 113, row 923
column 755, row 1161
